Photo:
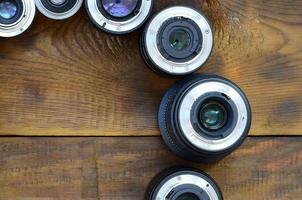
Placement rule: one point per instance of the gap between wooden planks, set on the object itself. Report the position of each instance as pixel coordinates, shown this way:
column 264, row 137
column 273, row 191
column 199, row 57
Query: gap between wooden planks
column 116, row 168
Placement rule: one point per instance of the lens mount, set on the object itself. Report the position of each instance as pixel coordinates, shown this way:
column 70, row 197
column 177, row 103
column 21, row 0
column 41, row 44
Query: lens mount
column 61, row 11
column 182, row 183
column 190, row 132
column 20, row 21
column 165, row 59
column 118, row 25
column 182, row 128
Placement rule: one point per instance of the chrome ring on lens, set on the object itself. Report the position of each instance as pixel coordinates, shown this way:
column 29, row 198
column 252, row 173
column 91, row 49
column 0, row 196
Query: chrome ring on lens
column 184, row 29
column 183, row 183
column 16, row 16
column 118, row 17
column 58, row 9
column 185, row 121
column 204, row 118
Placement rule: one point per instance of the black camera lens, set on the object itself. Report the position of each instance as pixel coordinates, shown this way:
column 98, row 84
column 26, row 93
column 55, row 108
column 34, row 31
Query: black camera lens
column 118, row 16
column 204, row 118
column 183, row 184
column 58, row 9
column 177, row 41
column 15, row 16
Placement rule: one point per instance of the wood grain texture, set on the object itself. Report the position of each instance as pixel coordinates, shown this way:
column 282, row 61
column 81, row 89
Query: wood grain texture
column 68, row 78
column 121, row 168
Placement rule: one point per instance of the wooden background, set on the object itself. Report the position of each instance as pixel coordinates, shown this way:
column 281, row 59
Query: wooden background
column 66, row 78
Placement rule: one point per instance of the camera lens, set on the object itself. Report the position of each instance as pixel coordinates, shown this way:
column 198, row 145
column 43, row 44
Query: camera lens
column 58, row 9
column 181, row 183
column 177, row 41
column 15, row 16
column 118, row 16
column 204, row 118
column 119, row 8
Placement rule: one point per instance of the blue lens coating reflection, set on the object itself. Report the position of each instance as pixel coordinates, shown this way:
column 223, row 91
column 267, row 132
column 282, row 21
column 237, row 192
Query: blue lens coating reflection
column 119, row 8
column 8, row 9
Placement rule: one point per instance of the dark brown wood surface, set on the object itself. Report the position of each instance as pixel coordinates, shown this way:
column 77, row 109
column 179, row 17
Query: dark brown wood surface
column 121, row 168
column 68, row 78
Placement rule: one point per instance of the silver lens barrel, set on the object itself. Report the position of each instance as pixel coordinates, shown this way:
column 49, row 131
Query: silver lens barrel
column 58, row 10
column 21, row 21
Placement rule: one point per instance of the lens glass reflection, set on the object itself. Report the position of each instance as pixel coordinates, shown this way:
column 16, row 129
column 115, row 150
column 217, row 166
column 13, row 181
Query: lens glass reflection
column 187, row 196
column 8, row 9
column 213, row 116
column 119, row 8
column 179, row 39
column 58, row 2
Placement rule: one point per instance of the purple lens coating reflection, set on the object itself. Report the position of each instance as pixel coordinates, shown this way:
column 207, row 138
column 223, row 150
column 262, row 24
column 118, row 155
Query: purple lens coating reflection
column 119, row 8
column 57, row 2
column 8, row 9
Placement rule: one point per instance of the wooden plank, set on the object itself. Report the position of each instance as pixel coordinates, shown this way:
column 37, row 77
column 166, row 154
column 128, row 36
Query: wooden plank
column 121, row 168
column 68, row 78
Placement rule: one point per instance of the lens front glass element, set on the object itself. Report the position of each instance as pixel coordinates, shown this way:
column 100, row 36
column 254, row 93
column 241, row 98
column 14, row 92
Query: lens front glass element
column 119, row 8
column 179, row 39
column 213, row 116
column 187, row 196
column 58, row 2
column 8, row 9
